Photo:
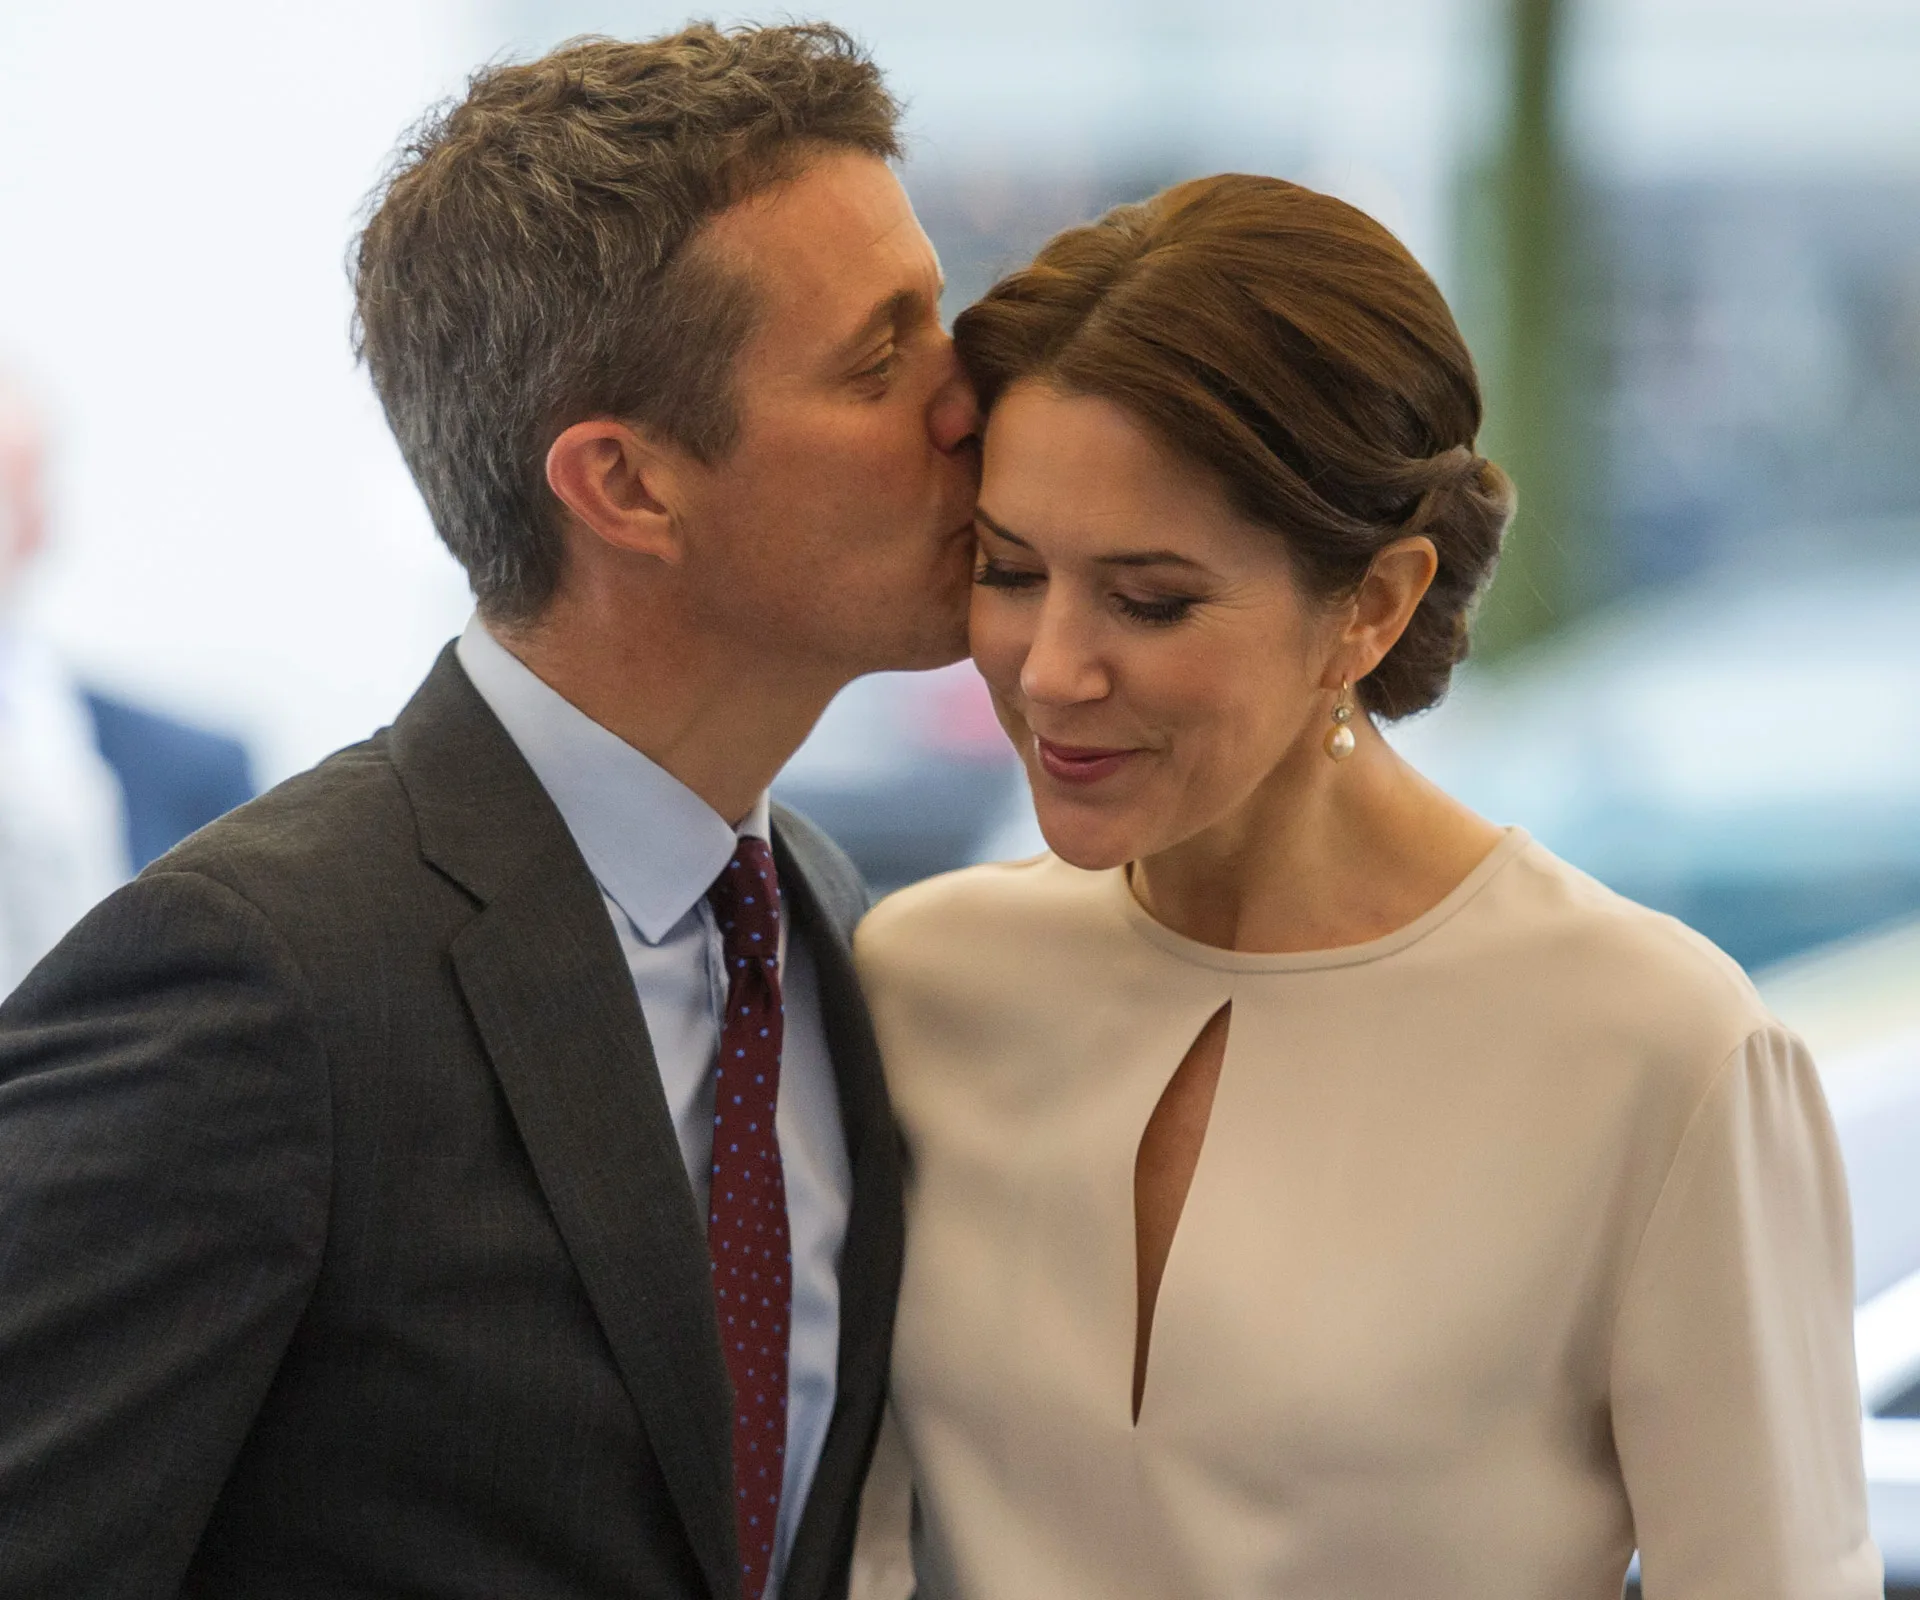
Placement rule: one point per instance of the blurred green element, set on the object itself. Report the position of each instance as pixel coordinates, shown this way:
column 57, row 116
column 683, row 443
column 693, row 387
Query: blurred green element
column 1524, row 304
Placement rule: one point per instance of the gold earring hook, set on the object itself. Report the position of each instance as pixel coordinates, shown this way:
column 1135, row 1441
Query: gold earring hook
column 1340, row 741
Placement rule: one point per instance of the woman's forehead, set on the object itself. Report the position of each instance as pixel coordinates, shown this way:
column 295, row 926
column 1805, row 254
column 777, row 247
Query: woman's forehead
column 1080, row 476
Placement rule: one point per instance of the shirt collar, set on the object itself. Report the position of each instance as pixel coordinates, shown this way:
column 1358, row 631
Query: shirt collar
column 650, row 842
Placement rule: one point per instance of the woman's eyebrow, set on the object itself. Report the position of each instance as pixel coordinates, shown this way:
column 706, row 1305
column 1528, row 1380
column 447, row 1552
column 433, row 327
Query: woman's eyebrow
column 980, row 516
column 1118, row 558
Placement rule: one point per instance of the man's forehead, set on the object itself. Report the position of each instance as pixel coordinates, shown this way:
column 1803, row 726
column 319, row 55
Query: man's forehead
column 841, row 235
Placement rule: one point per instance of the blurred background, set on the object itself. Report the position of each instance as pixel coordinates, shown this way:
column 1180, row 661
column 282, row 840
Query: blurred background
column 1683, row 237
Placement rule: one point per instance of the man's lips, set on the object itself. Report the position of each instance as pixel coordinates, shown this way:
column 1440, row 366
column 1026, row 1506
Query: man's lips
column 1071, row 763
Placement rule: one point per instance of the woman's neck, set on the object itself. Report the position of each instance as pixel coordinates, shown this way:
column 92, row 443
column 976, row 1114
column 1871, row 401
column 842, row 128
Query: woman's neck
column 1322, row 855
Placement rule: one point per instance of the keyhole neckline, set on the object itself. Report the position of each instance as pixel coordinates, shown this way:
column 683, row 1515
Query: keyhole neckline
column 1196, row 953
column 1166, row 1160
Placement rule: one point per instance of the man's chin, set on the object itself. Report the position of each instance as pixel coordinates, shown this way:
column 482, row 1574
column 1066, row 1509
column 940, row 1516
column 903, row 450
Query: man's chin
column 954, row 643
column 926, row 629
column 930, row 653
column 940, row 641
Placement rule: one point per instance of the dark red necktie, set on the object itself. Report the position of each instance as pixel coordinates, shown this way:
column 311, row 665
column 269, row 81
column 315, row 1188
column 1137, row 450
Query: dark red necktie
column 747, row 1219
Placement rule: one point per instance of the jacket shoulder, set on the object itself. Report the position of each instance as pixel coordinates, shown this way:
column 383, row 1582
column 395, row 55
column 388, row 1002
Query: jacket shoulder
column 345, row 820
column 830, row 873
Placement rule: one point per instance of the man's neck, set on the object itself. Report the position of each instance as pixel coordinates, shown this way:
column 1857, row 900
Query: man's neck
column 723, row 721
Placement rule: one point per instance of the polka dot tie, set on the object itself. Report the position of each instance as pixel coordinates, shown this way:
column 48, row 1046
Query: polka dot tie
column 747, row 1220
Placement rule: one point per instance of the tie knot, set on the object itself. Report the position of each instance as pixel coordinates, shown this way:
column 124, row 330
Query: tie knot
column 746, row 901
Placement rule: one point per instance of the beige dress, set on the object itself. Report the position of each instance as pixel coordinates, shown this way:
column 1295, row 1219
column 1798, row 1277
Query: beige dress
column 1519, row 1237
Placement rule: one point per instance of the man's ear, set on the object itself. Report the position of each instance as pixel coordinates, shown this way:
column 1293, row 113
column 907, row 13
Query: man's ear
column 620, row 485
column 1382, row 607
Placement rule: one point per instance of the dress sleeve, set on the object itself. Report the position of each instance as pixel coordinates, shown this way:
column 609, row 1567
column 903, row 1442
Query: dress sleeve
column 1735, row 1407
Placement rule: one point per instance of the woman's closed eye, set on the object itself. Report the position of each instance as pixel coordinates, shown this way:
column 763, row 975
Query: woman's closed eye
column 1156, row 610
column 991, row 574
column 1160, row 611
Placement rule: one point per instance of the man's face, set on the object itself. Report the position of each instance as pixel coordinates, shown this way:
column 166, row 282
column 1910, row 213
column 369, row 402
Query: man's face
column 837, row 534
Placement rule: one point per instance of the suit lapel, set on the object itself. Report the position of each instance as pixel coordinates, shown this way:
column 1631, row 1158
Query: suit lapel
column 871, row 1256
column 542, row 972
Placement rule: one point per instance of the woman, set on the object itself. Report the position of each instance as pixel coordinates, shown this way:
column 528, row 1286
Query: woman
column 1316, row 1189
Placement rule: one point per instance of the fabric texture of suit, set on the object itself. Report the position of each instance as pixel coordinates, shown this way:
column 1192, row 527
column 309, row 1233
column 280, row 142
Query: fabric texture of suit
column 345, row 1245
column 175, row 778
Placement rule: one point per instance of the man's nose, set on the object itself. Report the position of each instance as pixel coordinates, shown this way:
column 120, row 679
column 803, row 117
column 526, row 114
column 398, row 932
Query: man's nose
column 953, row 419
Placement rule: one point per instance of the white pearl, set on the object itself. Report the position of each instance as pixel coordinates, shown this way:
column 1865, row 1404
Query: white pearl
column 1340, row 742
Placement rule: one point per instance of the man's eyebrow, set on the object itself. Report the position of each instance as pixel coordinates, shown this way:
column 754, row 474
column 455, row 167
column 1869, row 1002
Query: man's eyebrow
column 1119, row 558
column 892, row 312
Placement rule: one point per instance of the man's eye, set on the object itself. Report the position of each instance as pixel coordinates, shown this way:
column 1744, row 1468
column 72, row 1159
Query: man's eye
column 991, row 575
column 883, row 368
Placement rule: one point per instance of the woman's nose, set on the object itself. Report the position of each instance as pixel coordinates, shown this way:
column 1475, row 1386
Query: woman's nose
column 1062, row 667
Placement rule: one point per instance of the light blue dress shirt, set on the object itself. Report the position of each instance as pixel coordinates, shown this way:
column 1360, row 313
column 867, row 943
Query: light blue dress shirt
column 653, row 846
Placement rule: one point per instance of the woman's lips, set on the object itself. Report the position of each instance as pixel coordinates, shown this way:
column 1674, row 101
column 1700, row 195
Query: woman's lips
column 1079, row 763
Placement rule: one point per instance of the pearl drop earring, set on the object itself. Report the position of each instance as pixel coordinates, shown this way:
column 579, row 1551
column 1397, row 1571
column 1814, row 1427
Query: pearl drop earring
column 1340, row 740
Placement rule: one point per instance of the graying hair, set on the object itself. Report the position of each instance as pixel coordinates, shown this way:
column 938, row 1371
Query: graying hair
column 530, row 259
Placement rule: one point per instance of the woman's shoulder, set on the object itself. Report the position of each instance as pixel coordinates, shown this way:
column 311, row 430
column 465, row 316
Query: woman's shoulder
column 984, row 964
column 1001, row 902
column 1613, row 1021
column 1619, row 966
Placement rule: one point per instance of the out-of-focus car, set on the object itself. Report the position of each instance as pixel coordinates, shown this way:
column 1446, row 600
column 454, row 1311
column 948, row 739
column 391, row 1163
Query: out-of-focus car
column 908, row 771
column 1887, row 1335
column 1858, row 1007
column 1742, row 751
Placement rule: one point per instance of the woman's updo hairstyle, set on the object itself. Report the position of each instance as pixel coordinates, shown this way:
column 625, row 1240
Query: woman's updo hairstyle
column 1291, row 345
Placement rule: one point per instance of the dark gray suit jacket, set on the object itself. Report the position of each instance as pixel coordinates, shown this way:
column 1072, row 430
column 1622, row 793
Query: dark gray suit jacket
column 345, row 1245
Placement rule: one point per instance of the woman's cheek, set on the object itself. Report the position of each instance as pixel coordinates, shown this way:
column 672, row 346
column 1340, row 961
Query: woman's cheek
column 1012, row 724
column 997, row 646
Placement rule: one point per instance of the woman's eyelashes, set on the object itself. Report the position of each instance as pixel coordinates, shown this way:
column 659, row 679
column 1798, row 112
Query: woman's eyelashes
column 1156, row 611
column 1159, row 612
column 991, row 574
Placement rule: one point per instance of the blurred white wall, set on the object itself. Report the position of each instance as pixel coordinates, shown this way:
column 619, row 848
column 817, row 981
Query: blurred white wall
column 236, row 536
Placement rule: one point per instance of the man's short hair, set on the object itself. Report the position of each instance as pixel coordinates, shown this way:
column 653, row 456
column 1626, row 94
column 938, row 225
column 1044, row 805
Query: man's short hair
column 526, row 264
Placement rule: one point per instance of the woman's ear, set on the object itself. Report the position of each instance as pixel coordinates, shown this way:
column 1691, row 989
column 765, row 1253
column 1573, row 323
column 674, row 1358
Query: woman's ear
column 1383, row 605
column 618, row 485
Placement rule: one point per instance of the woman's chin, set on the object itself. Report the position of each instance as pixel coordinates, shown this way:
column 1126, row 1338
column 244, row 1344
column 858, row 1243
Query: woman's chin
column 1092, row 849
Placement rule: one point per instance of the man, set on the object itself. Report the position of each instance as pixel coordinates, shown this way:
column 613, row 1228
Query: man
column 380, row 1171
column 91, row 786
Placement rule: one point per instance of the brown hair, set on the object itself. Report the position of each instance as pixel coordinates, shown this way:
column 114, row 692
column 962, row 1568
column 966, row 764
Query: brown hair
column 527, row 263
column 1292, row 346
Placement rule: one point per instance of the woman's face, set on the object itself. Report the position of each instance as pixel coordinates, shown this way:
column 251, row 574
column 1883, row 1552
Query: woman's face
column 1150, row 652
